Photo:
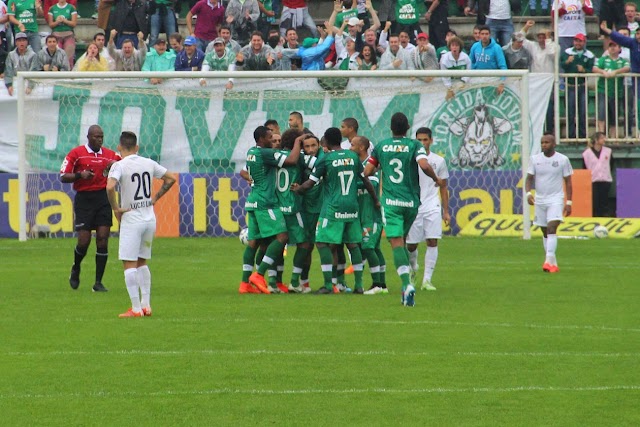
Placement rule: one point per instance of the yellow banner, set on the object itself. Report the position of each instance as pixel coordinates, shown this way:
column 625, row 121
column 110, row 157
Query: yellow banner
column 496, row 225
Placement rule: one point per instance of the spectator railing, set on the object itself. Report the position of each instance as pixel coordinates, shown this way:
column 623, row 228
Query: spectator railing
column 599, row 112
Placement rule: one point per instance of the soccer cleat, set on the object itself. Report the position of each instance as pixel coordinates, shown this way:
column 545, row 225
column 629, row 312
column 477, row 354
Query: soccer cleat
column 546, row 267
column 99, row 287
column 358, row 291
column 553, row 269
column 74, row 277
column 323, row 291
column 246, row 288
column 342, row 288
column 375, row 290
column 409, row 296
column 427, row 286
column 146, row 311
column 306, row 288
column 349, row 270
column 296, row 289
column 131, row 313
column 335, row 289
column 274, row 290
column 257, row 280
column 283, row 288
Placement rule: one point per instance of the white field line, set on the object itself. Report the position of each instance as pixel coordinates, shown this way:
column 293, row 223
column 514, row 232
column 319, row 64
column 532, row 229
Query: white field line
column 213, row 352
column 198, row 320
column 232, row 391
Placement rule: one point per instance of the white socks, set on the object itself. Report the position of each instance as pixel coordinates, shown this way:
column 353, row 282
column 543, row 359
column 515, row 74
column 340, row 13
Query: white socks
column 413, row 259
column 552, row 244
column 430, row 260
column 133, row 287
column 144, row 280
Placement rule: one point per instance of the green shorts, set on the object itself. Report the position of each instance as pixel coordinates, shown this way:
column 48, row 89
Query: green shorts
column 398, row 220
column 265, row 223
column 310, row 222
column 295, row 228
column 335, row 232
column 371, row 236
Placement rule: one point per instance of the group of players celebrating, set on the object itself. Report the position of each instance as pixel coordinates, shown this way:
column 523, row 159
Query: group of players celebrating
column 335, row 193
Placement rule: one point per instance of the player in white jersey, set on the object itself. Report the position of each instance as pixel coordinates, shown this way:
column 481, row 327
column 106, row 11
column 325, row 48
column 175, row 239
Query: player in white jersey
column 549, row 170
column 137, row 219
column 434, row 208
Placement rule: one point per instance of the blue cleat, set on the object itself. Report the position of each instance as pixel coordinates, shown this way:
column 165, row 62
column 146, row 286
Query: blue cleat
column 409, row 296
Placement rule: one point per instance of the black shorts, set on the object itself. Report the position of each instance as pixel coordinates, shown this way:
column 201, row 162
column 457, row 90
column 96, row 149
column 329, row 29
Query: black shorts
column 92, row 209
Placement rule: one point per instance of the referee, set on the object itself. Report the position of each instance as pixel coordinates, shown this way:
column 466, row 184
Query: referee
column 87, row 166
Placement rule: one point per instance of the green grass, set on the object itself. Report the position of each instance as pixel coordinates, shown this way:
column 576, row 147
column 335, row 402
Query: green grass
column 499, row 342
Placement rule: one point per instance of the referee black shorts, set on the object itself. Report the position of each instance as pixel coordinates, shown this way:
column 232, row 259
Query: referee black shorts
column 92, row 209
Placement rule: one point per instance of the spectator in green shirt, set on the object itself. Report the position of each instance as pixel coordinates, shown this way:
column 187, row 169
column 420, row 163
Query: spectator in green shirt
column 577, row 60
column 23, row 15
column 610, row 88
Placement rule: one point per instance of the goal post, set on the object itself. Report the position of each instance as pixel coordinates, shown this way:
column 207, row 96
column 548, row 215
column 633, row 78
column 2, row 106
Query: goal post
column 203, row 132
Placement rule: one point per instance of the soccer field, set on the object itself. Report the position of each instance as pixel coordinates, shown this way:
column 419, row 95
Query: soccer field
column 499, row 343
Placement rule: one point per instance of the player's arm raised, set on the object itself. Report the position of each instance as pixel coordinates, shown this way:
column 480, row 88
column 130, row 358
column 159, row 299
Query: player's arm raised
column 169, row 179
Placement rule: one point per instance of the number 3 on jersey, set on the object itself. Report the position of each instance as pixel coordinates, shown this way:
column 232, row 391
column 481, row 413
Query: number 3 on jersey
column 397, row 168
column 346, row 178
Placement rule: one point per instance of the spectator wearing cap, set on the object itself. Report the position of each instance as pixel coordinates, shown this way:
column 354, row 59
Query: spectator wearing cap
column 610, row 88
column 437, row 16
column 191, row 57
column 210, row 17
column 128, row 58
column 543, row 53
column 355, row 26
column 128, row 18
column 395, row 57
column 423, row 56
column 92, row 60
column 313, row 50
column 242, row 18
column 219, row 59
column 51, row 58
column 517, row 57
column 571, row 20
column 577, row 59
column 295, row 14
column 159, row 59
column 19, row 59
column 23, row 15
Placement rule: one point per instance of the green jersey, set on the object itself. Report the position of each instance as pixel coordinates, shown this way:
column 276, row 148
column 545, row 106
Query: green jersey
column 268, row 5
column 408, row 11
column 345, row 16
column 262, row 164
column 368, row 212
column 606, row 63
column 216, row 63
column 312, row 201
column 398, row 158
column 290, row 202
column 339, row 169
column 66, row 12
column 25, row 12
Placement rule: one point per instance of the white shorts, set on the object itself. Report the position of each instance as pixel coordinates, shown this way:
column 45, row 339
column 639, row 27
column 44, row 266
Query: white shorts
column 427, row 225
column 136, row 240
column 544, row 214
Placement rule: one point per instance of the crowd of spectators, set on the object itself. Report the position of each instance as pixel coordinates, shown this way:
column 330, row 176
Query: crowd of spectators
column 281, row 35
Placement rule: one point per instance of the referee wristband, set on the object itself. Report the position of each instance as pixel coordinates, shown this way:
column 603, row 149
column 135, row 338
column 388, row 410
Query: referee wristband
column 78, row 175
column 568, row 203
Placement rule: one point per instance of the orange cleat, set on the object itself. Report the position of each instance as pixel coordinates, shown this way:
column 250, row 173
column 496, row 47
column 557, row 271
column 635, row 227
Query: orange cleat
column 349, row 270
column 554, row 269
column 257, row 280
column 283, row 288
column 246, row 288
column 146, row 311
column 546, row 267
column 335, row 289
column 131, row 313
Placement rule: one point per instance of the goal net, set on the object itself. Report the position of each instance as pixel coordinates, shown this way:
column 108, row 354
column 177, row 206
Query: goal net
column 203, row 130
